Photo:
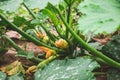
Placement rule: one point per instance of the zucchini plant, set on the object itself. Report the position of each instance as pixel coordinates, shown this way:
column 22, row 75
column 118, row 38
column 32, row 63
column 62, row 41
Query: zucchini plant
column 60, row 17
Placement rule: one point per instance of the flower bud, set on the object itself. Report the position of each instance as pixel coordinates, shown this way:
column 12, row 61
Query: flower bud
column 50, row 53
column 61, row 43
column 45, row 39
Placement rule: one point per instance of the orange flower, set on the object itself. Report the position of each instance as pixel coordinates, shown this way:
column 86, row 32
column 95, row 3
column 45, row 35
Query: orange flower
column 48, row 51
column 61, row 43
column 39, row 34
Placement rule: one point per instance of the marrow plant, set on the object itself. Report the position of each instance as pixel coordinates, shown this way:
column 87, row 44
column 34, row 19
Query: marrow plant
column 62, row 45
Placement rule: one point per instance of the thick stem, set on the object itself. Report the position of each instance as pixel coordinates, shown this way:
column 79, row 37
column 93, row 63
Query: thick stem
column 68, row 18
column 88, row 47
column 45, row 62
column 12, row 43
column 30, row 38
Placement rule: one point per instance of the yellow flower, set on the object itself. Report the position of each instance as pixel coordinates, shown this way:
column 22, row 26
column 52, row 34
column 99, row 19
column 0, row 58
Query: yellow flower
column 39, row 34
column 48, row 51
column 61, row 43
column 45, row 39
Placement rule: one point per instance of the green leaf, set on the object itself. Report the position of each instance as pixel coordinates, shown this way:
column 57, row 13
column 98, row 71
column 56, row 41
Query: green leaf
column 10, row 5
column 30, row 55
column 99, row 16
column 40, row 3
column 41, row 18
column 35, row 21
column 113, row 74
column 18, row 76
column 19, row 21
column 95, row 45
column 112, row 48
column 70, row 1
column 69, row 69
column 2, row 76
column 2, row 23
column 52, row 16
column 0, row 11
column 22, row 54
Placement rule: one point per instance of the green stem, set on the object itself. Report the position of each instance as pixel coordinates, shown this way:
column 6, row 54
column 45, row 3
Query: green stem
column 12, row 43
column 45, row 62
column 35, row 59
column 48, row 32
column 58, row 32
column 29, row 10
column 30, row 38
column 88, row 47
column 102, row 62
column 68, row 18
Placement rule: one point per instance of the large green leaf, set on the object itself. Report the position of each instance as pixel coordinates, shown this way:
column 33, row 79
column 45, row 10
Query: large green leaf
column 2, row 76
column 40, row 3
column 99, row 16
column 112, row 48
column 10, row 5
column 69, row 69
column 19, row 21
column 18, row 76
column 113, row 74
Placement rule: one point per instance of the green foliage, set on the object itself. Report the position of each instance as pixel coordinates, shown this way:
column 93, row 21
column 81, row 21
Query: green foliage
column 18, row 76
column 113, row 74
column 10, row 5
column 23, row 23
column 19, row 21
column 69, row 69
column 3, row 43
column 2, row 76
column 28, row 55
column 99, row 16
column 112, row 48
column 40, row 3
column 41, row 18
